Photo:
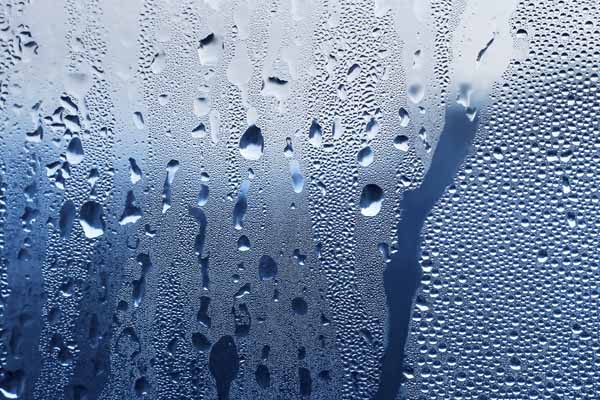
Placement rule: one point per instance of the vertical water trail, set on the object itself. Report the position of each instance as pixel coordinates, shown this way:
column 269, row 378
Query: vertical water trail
column 402, row 277
column 478, row 65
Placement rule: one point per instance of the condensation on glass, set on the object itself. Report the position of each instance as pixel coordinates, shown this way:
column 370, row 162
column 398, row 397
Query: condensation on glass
column 341, row 199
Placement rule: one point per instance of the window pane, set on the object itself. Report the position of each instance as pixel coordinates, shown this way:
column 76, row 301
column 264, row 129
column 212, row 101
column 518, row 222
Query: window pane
column 355, row 199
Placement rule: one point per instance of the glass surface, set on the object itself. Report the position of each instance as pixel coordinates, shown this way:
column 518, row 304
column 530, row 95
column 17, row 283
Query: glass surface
column 290, row 199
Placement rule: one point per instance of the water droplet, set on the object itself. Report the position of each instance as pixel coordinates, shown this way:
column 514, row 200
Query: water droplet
column 138, row 120
column 201, row 106
column 131, row 213
column 315, row 134
column 416, row 92
column 263, row 376
column 35, row 136
column 12, row 383
column 267, row 268
column 223, row 364
column 243, row 243
column 371, row 200
column 200, row 341
column 75, row 151
column 404, row 117
column 142, row 386
column 239, row 210
column 66, row 218
column 199, row 132
column 135, row 173
column 299, row 306
column 521, row 33
column 372, row 129
column 337, row 128
column 353, row 72
column 209, row 50
column 203, row 195
column 252, row 143
column 288, row 150
column 297, row 178
column 365, row 156
column 401, row 143
column 91, row 219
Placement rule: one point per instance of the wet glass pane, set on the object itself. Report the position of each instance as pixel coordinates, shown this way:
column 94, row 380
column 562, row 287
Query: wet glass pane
column 294, row 199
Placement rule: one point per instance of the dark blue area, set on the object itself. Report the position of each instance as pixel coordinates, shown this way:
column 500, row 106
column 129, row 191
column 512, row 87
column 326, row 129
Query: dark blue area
column 224, row 364
column 402, row 276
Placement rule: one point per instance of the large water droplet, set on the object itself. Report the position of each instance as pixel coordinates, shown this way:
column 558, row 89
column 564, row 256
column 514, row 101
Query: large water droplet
column 75, row 151
column 90, row 218
column 315, row 134
column 252, row 143
column 131, row 213
column 199, row 132
column 243, row 243
column 138, row 120
column 401, row 143
column 297, row 178
column 12, row 383
column 263, row 376
column 135, row 173
column 267, row 268
column 404, row 117
column 66, row 219
column 210, row 49
column 416, row 92
column 203, row 195
column 371, row 200
column 223, row 364
column 299, row 306
column 200, row 341
column 372, row 129
column 365, row 156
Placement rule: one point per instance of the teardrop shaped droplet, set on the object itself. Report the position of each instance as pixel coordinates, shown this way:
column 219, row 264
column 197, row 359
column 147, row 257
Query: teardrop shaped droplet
column 252, row 143
column 371, row 200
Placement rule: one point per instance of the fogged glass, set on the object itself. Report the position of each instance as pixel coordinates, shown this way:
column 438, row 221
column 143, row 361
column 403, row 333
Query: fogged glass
column 290, row 199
